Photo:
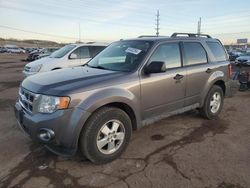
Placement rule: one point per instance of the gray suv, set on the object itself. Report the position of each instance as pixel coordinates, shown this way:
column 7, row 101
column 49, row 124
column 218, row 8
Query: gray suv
column 131, row 83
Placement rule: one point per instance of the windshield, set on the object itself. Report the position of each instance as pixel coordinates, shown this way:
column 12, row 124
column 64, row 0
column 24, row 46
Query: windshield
column 121, row 56
column 62, row 51
column 43, row 50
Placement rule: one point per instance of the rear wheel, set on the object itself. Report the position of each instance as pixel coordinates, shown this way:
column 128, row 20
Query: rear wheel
column 106, row 135
column 213, row 103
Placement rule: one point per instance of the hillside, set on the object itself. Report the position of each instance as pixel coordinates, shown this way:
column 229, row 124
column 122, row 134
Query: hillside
column 30, row 43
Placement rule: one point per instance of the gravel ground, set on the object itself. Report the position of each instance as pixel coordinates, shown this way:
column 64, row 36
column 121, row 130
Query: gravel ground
column 180, row 151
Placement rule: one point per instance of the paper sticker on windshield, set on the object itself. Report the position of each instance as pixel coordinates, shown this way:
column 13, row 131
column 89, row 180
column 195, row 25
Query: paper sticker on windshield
column 133, row 51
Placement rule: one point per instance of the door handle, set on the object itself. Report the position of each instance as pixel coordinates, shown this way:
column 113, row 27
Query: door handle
column 209, row 70
column 178, row 77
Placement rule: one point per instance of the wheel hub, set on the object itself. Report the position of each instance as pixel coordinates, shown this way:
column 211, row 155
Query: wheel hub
column 110, row 137
column 215, row 102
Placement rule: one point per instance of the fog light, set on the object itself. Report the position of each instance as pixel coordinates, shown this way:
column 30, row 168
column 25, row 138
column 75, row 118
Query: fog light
column 46, row 135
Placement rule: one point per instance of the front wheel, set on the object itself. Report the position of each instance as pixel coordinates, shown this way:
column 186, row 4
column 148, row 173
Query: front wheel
column 106, row 135
column 213, row 103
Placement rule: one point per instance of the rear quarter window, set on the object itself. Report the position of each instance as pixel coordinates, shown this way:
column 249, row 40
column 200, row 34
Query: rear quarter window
column 94, row 50
column 217, row 51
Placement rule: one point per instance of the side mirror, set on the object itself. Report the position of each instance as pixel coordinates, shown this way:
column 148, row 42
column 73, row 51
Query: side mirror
column 155, row 67
column 73, row 56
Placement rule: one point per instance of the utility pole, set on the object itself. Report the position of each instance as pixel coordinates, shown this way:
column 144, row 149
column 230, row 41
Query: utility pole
column 157, row 23
column 199, row 27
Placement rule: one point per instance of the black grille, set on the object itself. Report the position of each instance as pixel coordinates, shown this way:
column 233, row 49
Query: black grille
column 26, row 99
column 242, row 60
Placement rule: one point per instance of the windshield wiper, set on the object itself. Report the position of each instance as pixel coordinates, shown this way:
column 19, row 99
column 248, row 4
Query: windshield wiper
column 97, row 67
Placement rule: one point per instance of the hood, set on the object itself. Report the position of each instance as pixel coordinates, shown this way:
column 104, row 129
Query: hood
column 69, row 80
column 44, row 55
column 246, row 57
column 43, row 61
column 34, row 52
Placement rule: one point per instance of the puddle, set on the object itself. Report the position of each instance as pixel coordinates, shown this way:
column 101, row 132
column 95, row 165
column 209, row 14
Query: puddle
column 169, row 159
column 157, row 137
column 197, row 135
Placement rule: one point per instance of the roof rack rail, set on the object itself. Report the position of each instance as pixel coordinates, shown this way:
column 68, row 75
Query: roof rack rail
column 191, row 35
column 145, row 36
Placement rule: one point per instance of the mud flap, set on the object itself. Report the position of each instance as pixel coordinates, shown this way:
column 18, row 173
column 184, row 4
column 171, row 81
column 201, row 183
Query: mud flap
column 232, row 87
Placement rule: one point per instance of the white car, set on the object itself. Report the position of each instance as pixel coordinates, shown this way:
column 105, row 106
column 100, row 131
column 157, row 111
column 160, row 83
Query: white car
column 15, row 50
column 68, row 56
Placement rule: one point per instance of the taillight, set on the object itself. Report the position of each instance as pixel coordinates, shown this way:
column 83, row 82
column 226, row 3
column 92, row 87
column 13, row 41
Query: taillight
column 230, row 71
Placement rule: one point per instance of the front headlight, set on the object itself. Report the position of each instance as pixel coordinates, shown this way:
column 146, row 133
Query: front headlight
column 36, row 68
column 49, row 104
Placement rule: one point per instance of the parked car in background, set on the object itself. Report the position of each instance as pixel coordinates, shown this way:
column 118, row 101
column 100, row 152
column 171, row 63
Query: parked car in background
column 131, row 83
column 243, row 59
column 15, row 50
column 3, row 50
column 68, row 56
column 31, row 56
column 46, row 52
column 29, row 50
column 233, row 55
column 40, row 53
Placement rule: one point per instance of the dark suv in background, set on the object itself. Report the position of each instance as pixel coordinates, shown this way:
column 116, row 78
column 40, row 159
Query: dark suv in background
column 131, row 83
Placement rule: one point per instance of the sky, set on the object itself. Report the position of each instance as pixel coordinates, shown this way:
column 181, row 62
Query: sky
column 109, row 20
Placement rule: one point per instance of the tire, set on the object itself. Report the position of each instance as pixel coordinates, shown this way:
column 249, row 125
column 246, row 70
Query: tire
column 93, row 133
column 208, row 111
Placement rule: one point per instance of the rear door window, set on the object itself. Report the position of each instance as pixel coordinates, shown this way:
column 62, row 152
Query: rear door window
column 195, row 54
column 217, row 50
column 168, row 53
column 82, row 52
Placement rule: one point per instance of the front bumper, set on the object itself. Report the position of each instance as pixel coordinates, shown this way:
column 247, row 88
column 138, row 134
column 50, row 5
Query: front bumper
column 66, row 124
column 245, row 63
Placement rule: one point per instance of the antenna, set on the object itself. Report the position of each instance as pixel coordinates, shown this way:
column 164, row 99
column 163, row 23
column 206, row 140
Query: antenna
column 157, row 23
column 79, row 33
column 199, row 27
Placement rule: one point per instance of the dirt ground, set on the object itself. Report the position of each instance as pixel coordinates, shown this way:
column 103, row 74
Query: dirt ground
column 181, row 151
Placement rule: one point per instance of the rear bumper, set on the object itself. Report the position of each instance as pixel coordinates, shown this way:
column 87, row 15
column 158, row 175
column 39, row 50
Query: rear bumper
column 66, row 124
column 232, row 87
